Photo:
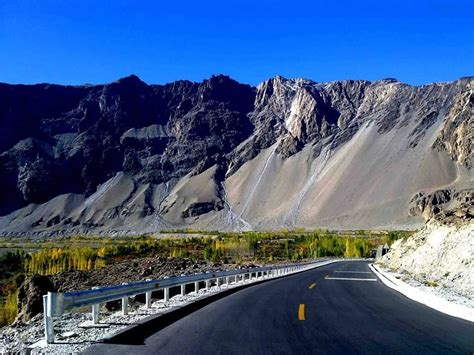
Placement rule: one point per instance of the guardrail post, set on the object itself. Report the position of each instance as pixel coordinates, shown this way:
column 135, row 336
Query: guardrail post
column 218, row 282
column 124, row 304
column 236, row 279
column 148, row 297
column 183, row 290
column 227, row 280
column 48, row 322
column 208, row 284
column 196, row 287
column 167, row 294
column 95, row 311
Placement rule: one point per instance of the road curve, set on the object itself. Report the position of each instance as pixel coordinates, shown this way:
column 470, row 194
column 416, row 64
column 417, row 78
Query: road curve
column 339, row 308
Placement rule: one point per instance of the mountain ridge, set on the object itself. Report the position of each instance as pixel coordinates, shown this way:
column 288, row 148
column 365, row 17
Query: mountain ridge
column 65, row 142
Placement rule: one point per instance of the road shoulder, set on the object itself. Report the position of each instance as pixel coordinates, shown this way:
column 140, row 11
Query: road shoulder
column 417, row 294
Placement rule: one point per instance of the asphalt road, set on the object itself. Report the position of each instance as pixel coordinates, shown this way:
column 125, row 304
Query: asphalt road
column 336, row 309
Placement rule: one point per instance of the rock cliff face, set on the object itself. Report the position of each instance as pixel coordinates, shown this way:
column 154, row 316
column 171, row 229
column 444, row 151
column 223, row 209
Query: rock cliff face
column 132, row 157
column 439, row 256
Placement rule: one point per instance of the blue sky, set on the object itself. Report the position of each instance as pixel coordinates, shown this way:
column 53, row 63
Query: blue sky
column 74, row 42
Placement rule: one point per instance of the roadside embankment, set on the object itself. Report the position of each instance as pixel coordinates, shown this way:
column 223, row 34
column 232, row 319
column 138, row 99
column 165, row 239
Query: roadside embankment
column 439, row 260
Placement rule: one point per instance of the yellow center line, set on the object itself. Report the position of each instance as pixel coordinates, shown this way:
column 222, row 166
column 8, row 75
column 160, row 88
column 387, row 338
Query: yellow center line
column 301, row 312
column 313, row 285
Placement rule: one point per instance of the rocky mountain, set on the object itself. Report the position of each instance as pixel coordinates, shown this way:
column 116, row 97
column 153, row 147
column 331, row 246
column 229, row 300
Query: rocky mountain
column 130, row 157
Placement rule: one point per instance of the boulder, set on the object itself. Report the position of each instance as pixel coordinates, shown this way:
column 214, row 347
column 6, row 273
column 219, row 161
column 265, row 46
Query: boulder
column 30, row 296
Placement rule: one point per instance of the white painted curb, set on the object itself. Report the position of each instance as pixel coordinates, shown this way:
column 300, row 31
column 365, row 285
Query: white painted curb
column 438, row 303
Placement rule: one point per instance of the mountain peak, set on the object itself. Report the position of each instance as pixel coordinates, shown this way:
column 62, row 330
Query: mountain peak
column 130, row 79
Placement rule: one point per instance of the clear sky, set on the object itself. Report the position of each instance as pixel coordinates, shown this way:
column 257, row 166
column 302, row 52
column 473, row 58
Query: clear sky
column 97, row 41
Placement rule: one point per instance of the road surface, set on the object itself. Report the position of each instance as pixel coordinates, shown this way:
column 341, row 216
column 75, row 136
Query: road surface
column 340, row 308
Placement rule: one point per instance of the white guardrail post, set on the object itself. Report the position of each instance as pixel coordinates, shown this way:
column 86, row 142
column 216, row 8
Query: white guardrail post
column 95, row 310
column 56, row 304
column 125, row 303
column 48, row 322
column 148, row 297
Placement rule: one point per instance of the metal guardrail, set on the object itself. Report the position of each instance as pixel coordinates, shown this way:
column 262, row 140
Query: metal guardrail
column 56, row 304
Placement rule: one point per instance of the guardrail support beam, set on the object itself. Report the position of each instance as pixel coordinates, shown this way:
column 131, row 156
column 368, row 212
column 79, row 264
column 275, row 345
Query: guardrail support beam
column 183, row 290
column 167, row 294
column 48, row 322
column 148, row 299
column 125, row 303
column 208, row 284
column 196, row 287
column 95, row 313
column 125, row 306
